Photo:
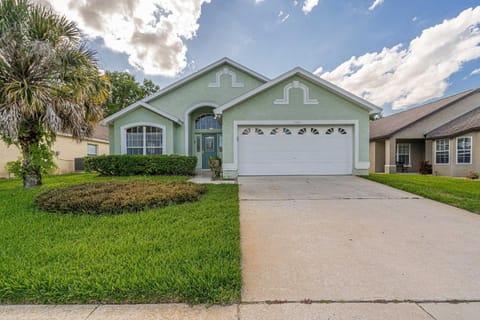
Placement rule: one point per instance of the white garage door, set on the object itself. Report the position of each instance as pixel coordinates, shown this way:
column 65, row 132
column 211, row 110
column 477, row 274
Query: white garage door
column 292, row 150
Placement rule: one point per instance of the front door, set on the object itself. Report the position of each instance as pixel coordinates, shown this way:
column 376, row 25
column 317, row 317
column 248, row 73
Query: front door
column 209, row 143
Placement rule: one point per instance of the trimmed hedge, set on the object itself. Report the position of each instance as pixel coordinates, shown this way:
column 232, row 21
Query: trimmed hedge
column 130, row 165
column 116, row 197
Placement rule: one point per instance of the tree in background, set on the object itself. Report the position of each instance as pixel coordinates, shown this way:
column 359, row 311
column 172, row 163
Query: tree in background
column 49, row 83
column 125, row 90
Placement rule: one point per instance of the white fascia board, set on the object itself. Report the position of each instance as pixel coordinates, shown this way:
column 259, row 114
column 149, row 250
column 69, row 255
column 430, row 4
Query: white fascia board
column 309, row 76
column 137, row 105
column 69, row 135
column 200, row 73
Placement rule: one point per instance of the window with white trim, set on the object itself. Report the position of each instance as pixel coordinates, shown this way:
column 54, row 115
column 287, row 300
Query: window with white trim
column 442, row 151
column 207, row 122
column 464, row 150
column 144, row 140
column 403, row 153
column 92, row 149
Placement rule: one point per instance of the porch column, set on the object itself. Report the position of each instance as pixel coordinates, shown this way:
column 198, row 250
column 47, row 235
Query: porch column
column 390, row 159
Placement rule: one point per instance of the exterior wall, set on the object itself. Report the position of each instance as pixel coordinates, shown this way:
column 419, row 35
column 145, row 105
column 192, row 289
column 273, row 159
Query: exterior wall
column 454, row 169
column 377, row 156
column 185, row 99
column 262, row 107
column 68, row 149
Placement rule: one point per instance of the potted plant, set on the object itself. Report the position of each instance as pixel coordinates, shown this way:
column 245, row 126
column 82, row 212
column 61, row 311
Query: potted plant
column 473, row 175
column 215, row 164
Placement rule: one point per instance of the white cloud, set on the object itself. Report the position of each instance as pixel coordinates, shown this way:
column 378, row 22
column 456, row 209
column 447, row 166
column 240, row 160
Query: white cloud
column 308, row 6
column 258, row 1
column 405, row 76
column 151, row 32
column 295, row 2
column 414, row 19
column 375, row 4
column 282, row 16
column 474, row 72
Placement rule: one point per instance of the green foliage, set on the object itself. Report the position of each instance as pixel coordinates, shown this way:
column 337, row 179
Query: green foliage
column 125, row 90
column 117, row 196
column 49, row 82
column 459, row 192
column 40, row 159
column 129, row 165
column 182, row 253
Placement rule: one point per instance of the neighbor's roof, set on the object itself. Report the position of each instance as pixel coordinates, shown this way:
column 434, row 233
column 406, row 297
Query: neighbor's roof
column 468, row 122
column 100, row 133
column 308, row 76
column 389, row 125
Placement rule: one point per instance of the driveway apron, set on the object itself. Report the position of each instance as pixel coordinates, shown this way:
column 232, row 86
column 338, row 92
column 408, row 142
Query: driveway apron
column 347, row 239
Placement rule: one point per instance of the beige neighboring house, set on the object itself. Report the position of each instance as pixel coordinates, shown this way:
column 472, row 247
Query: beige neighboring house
column 66, row 150
column 445, row 132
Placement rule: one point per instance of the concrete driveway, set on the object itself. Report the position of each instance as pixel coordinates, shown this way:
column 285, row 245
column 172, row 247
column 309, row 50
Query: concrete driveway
column 347, row 239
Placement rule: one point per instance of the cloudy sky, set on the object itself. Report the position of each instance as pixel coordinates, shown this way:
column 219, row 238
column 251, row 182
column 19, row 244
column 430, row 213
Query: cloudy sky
column 394, row 53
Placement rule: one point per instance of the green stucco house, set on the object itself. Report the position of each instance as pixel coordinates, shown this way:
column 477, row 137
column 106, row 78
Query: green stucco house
column 295, row 124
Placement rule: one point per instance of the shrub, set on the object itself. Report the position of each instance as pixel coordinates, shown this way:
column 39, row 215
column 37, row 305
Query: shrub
column 129, row 165
column 117, row 196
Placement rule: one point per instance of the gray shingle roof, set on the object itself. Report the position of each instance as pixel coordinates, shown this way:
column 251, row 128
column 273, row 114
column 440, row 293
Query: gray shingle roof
column 389, row 125
column 468, row 122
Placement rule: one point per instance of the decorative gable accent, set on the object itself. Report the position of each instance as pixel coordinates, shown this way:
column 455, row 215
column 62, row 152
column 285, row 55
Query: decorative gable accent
column 296, row 85
column 226, row 71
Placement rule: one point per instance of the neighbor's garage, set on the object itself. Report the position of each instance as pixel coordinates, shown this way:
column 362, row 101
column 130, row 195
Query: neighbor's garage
column 295, row 150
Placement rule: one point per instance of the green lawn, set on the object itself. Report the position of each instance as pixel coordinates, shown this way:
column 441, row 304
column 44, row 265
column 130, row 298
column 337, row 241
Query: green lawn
column 181, row 253
column 461, row 193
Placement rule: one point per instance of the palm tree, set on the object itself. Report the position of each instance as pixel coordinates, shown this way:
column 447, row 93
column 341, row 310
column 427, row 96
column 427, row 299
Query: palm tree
column 49, row 82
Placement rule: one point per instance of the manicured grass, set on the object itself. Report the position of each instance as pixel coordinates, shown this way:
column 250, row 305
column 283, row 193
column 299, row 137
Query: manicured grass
column 188, row 252
column 461, row 193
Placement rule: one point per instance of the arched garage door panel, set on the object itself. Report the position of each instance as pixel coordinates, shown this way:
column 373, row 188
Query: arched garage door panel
column 288, row 150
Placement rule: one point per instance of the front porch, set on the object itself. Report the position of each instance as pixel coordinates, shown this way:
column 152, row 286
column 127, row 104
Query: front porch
column 205, row 136
column 397, row 155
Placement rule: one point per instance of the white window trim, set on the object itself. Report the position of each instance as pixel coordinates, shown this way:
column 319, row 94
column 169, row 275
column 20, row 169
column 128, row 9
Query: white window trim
column 471, row 150
column 96, row 149
column 123, row 135
column 356, row 132
column 449, row 156
column 409, row 165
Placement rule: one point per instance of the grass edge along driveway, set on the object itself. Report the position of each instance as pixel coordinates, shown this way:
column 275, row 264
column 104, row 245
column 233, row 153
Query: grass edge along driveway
column 458, row 192
column 181, row 253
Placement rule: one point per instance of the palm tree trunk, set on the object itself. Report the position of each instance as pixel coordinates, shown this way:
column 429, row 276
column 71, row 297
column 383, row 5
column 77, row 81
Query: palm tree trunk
column 31, row 174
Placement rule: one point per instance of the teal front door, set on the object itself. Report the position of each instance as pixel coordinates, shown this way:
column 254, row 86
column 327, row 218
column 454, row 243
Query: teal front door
column 209, row 142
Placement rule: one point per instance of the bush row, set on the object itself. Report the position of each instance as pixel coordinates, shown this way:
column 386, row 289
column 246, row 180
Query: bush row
column 129, row 165
column 116, row 197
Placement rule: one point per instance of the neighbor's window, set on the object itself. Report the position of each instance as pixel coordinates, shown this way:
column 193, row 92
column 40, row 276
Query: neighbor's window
column 464, row 150
column 207, row 122
column 92, row 149
column 403, row 153
column 144, row 140
column 442, row 151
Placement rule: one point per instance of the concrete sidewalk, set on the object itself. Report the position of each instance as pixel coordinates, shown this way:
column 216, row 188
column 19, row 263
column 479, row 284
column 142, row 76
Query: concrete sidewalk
column 264, row 311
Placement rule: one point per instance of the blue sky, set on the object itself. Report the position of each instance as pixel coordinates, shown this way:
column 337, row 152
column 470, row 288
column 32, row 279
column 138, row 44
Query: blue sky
column 273, row 36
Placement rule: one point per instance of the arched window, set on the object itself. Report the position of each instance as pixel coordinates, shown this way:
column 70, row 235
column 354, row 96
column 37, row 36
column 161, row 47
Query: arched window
column 207, row 122
column 144, row 140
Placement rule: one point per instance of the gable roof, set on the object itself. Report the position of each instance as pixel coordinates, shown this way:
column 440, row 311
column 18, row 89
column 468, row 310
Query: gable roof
column 308, row 76
column 389, row 125
column 467, row 122
column 140, row 104
column 203, row 71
